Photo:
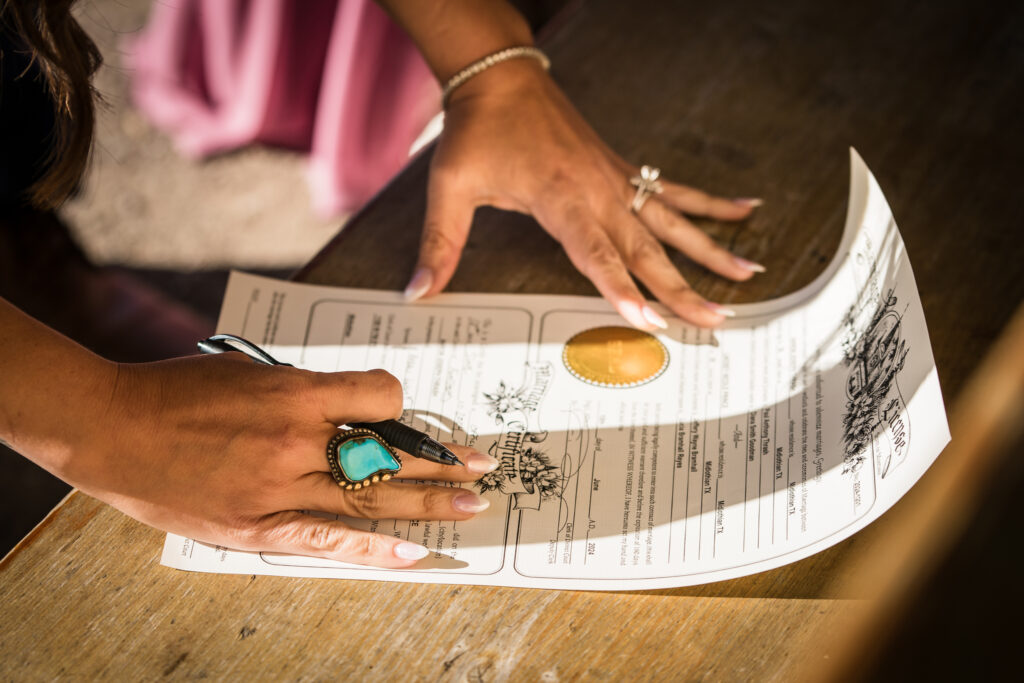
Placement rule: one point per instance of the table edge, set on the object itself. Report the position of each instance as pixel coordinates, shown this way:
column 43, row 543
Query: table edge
column 37, row 530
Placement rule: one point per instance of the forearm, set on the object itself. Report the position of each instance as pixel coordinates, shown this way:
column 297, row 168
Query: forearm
column 52, row 391
column 452, row 34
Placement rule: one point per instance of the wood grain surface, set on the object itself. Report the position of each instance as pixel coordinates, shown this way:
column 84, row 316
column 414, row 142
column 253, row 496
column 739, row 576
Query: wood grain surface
column 742, row 99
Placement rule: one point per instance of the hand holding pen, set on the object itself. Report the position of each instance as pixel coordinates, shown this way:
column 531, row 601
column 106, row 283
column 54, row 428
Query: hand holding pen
column 227, row 452
column 350, row 470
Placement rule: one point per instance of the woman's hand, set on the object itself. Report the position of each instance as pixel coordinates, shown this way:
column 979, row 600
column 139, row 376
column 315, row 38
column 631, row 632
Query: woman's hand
column 512, row 140
column 225, row 451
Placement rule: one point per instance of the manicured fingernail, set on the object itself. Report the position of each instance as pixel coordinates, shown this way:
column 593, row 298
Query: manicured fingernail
column 720, row 309
column 480, row 463
column 751, row 202
column 470, row 502
column 749, row 265
column 633, row 315
column 653, row 318
column 410, row 551
column 419, row 284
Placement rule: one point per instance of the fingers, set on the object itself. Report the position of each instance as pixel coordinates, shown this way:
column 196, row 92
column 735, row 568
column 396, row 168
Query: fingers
column 612, row 244
column 608, row 256
column 693, row 201
column 390, row 500
column 476, row 465
column 676, row 231
column 449, row 216
column 646, row 258
column 698, row 203
column 300, row 534
column 370, row 396
column 592, row 251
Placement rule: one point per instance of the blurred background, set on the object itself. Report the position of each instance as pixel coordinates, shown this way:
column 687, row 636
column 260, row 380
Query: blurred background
column 230, row 211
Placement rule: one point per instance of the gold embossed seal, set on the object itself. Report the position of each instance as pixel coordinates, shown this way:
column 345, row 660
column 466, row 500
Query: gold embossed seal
column 615, row 356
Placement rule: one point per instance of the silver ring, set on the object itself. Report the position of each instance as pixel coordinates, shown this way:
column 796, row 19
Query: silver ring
column 646, row 184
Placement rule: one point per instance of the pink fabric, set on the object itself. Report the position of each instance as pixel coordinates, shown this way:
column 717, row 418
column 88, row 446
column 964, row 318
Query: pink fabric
column 335, row 77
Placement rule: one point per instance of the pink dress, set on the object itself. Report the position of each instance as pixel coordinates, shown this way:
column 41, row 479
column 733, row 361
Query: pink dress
column 335, row 77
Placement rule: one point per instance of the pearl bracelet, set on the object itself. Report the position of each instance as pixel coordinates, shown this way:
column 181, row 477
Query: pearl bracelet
column 487, row 62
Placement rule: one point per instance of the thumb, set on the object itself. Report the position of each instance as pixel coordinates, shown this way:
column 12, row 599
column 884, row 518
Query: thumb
column 449, row 216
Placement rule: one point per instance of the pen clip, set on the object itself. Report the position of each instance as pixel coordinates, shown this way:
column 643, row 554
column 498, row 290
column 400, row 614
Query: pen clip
column 222, row 343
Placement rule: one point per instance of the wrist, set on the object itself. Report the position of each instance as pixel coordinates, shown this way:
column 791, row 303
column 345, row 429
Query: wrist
column 507, row 78
column 69, row 444
column 489, row 62
column 89, row 442
column 53, row 393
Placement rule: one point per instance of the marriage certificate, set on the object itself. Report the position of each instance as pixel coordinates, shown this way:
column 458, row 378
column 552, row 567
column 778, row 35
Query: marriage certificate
column 632, row 460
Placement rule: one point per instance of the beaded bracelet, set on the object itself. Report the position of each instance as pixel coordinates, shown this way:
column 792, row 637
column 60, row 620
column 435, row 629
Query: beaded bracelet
column 487, row 62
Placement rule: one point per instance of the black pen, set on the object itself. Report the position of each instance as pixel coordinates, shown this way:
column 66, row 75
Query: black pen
column 401, row 436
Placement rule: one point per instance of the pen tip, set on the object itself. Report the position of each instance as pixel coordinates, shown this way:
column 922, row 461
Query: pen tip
column 450, row 457
column 435, row 450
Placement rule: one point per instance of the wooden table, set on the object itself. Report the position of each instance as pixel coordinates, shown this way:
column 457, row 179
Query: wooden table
column 743, row 99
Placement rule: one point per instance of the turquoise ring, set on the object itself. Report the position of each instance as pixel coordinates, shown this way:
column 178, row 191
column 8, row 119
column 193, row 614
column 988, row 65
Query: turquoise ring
column 360, row 457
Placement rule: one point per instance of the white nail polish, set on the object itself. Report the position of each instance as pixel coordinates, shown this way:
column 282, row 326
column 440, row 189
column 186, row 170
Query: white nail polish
column 410, row 551
column 478, row 463
column 421, row 281
column 749, row 265
column 633, row 315
column 653, row 318
column 470, row 502
column 752, row 202
column 720, row 309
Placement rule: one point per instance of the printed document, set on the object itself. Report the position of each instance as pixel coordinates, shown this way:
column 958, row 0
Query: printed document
column 632, row 460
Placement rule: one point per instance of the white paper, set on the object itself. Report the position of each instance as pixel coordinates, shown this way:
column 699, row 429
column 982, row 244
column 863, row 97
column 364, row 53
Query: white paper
column 764, row 441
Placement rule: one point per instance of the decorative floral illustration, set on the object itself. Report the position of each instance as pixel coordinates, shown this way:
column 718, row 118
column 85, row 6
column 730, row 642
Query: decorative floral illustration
column 875, row 358
column 504, row 401
column 536, row 473
column 525, row 473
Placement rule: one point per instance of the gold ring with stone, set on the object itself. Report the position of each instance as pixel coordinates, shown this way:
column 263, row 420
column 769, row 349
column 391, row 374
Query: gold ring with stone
column 360, row 457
